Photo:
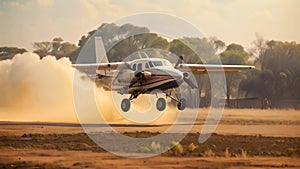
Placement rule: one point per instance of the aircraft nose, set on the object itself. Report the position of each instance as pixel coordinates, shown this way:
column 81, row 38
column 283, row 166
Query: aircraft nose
column 181, row 76
column 178, row 76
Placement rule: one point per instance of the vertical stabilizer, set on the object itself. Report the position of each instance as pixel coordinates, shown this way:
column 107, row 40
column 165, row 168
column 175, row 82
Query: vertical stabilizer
column 100, row 51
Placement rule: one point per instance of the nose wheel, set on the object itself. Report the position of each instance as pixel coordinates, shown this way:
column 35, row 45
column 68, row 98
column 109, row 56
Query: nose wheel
column 181, row 102
column 181, row 105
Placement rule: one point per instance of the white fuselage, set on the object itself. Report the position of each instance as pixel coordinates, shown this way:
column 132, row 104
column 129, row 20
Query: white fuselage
column 157, row 74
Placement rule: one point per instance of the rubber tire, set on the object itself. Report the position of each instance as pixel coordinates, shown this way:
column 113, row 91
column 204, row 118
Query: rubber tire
column 125, row 105
column 161, row 104
column 182, row 104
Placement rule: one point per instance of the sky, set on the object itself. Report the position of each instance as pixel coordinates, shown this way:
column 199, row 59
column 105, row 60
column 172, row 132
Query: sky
column 24, row 22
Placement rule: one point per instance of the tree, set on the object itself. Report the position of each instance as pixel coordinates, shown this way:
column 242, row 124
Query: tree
column 57, row 48
column 42, row 48
column 236, row 55
column 10, row 52
column 66, row 49
column 282, row 59
column 56, row 43
column 179, row 48
column 116, row 39
column 258, row 50
column 235, row 47
column 217, row 43
column 257, row 84
column 280, row 69
column 194, row 50
column 136, row 43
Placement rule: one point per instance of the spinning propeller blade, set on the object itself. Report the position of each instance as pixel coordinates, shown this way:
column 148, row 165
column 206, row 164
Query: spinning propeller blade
column 180, row 61
column 189, row 82
column 185, row 77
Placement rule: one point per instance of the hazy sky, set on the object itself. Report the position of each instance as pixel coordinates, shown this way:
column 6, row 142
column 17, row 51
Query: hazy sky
column 26, row 21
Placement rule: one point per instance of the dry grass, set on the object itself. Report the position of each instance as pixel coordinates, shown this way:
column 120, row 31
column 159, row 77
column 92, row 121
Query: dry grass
column 244, row 153
column 209, row 153
column 227, row 153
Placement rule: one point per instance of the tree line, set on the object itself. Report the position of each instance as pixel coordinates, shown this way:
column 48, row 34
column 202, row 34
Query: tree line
column 276, row 77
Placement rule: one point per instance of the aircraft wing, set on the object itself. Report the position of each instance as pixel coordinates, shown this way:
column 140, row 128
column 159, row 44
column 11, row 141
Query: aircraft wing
column 211, row 68
column 92, row 67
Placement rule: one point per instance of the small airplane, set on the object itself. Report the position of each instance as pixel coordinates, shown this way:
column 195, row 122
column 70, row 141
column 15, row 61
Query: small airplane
column 145, row 75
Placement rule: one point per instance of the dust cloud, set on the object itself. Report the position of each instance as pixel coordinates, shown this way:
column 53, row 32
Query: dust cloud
column 34, row 89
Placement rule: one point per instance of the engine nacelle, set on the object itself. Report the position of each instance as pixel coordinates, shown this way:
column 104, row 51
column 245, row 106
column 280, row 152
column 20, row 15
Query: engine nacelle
column 143, row 74
column 146, row 74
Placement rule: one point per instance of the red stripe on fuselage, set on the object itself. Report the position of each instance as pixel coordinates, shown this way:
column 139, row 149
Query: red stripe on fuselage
column 156, row 79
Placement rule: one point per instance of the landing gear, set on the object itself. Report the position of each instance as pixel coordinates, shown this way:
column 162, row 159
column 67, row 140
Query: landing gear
column 181, row 104
column 125, row 105
column 161, row 104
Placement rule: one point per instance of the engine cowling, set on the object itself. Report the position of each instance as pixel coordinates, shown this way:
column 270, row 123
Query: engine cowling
column 147, row 74
column 143, row 74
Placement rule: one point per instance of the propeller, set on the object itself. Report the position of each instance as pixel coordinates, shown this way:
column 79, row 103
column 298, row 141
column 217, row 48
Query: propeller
column 189, row 81
column 185, row 74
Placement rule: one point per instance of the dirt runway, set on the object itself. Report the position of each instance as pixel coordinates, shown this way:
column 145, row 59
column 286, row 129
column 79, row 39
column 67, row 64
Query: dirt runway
column 243, row 139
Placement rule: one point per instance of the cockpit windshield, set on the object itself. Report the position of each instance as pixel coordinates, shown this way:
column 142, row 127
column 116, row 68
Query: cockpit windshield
column 157, row 63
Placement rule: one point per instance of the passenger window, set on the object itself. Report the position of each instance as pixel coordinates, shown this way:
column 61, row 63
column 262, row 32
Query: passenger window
column 147, row 65
column 134, row 67
column 140, row 66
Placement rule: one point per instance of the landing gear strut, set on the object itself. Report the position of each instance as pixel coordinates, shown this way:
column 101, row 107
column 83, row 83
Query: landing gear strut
column 160, row 103
column 181, row 102
column 126, row 103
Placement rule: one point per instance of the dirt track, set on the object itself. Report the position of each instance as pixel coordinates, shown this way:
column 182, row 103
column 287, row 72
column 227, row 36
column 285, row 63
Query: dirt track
column 76, row 150
column 244, row 139
column 216, row 145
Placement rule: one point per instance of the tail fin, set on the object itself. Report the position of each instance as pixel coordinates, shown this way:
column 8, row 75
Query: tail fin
column 100, row 51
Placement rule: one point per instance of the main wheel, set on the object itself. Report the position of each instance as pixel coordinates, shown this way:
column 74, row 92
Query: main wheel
column 125, row 105
column 181, row 104
column 161, row 104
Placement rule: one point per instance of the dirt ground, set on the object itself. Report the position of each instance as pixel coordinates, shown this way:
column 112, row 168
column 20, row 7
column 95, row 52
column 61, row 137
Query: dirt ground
column 244, row 139
column 38, row 158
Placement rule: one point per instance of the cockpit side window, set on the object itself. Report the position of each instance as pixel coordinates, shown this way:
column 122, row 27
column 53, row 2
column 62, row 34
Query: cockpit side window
column 140, row 66
column 151, row 64
column 147, row 65
column 134, row 67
